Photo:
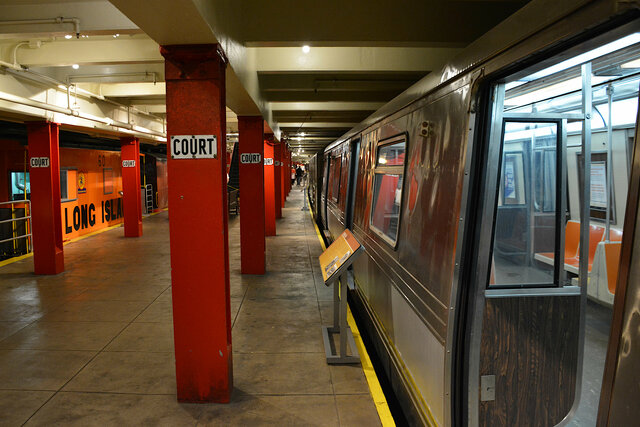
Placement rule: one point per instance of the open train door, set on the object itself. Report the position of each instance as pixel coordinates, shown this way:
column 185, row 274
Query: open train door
column 545, row 204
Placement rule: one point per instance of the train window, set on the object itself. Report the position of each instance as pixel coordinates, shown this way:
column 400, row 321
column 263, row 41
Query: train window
column 387, row 190
column 68, row 189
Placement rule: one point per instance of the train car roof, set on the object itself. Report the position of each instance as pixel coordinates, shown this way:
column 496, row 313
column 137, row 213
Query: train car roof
column 522, row 25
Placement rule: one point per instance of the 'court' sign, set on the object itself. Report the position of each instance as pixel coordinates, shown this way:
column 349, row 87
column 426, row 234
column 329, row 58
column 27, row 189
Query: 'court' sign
column 39, row 162
column 194, row 147
column 248, row 158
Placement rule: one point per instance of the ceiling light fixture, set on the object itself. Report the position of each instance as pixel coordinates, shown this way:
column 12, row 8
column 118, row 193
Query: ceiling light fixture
column 306, row 48
column 68, row 36
column 75, row 66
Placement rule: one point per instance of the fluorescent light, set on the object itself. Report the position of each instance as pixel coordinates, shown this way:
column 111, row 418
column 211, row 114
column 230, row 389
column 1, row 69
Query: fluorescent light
column 68, row 36
column 306, row 48
column 75, row 66
column 631, row 64
column 587, row 56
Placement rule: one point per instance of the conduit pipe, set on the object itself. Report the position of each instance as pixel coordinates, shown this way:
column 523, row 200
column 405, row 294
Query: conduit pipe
column 69, row 112
column 57, row 20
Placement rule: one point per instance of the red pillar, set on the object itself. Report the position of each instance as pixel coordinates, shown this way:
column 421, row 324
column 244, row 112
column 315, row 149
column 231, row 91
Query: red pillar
column 195, row 86
column 277, row 161
column 44, row 175
column 132, row 204
column 252, row 216
column 269, row 191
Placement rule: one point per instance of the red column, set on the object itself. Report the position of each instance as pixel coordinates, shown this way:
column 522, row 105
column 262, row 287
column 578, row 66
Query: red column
column 132, row 204
column 252, row 215
column 195, row 86
column 269, row 191
column 44, row 175
column 277, row 159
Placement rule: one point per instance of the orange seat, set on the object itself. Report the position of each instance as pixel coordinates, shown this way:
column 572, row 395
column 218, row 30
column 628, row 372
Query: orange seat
column 571, row 243
column 615, row 235
column 596, row 233
column 612, row 256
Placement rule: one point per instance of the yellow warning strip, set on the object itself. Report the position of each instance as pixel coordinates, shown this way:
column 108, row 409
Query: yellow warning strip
column 102, row 230
column 375, row 389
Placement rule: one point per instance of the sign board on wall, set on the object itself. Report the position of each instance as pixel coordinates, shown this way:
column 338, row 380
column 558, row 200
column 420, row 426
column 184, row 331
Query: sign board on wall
column 184, row 147
column 268, row 161
column 128, row 163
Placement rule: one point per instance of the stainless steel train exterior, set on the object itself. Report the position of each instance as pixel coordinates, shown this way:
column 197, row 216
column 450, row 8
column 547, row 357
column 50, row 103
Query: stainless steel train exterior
column 470, row 326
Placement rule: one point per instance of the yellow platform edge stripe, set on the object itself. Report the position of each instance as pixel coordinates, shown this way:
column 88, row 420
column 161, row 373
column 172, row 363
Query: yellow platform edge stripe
column 84, row 236
column 379, row 399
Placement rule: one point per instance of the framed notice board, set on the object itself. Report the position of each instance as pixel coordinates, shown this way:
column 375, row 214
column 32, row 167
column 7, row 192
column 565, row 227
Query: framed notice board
column 338, row 255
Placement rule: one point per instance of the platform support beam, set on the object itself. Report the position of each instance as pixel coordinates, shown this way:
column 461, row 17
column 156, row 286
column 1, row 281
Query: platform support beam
column 44, row 176
column 131, row 201
column 269, row 189
column 283, row 174
column 252, row 214
column 198, row 227
column 277, row 161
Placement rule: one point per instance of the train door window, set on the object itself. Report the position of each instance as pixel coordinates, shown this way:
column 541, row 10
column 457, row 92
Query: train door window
column 387, row 189
column 107, row 176
column 20, row 187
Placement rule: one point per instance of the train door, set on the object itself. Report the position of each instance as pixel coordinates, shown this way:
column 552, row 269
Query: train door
column 549, row 234
column 353, row 176
column 325, row 189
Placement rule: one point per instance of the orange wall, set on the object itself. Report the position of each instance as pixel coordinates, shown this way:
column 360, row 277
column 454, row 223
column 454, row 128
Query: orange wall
column 92, row 209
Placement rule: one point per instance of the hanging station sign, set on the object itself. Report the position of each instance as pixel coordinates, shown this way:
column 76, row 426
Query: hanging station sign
column 186, row 147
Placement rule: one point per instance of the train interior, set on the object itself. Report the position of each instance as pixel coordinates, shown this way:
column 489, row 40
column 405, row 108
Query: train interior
column 550, row 140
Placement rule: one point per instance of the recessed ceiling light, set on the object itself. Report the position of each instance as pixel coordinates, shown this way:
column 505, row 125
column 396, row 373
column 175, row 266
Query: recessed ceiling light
column 75, row 66
column 306, row 48
column 68, row 36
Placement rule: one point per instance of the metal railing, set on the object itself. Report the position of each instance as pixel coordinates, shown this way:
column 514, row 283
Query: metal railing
column 26, row 218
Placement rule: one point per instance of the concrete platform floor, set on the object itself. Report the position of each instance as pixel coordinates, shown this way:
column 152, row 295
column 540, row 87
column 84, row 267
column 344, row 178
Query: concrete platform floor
column 94, row 345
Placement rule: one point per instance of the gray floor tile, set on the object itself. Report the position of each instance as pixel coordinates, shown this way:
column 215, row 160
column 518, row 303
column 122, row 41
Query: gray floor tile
column 17, row 406
column 357, row 410
column 150, row 337
column 85, row 336
column 251, row 410
column 96, row 311
column 39, row 370
column 102, row 409
column 127, row 372
column 284, row 373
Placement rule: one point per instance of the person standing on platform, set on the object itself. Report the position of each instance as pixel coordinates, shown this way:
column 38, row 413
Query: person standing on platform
column 299, row 174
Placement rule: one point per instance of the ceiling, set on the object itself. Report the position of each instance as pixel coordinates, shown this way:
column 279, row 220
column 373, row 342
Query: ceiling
column 361, row 54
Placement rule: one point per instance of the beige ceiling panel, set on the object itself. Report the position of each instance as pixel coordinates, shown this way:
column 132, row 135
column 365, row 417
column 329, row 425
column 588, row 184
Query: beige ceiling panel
column 369, row 59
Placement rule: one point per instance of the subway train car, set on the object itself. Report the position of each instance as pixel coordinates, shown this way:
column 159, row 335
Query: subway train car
column 90, row 184
column 497, row 200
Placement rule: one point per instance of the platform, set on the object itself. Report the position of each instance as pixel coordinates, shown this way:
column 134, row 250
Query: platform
column 94, row 345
